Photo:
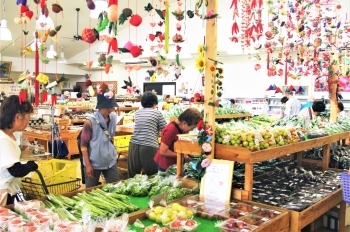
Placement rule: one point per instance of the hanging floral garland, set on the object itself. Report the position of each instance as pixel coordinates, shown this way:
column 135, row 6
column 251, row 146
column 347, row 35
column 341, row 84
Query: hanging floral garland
column 200, row 61
column 204, row 137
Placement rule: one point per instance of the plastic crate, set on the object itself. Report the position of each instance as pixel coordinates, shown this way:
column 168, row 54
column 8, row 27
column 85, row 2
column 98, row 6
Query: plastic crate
column 345, row 181
column 122, row 149
column 121, row 140
column 55, row 171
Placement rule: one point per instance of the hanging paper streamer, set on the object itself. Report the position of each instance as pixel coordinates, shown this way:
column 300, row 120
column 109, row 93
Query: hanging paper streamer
column 22, row 97
column 53, row 99
column 43, row 96
column 166, row 40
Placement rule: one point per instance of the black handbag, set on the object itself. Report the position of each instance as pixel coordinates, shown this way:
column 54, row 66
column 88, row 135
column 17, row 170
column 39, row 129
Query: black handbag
column 60, row 149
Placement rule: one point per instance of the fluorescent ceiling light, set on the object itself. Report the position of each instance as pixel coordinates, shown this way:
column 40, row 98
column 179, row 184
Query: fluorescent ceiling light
column 100, row 5
column 132, row 60
column 5, row 33
column 51, row 54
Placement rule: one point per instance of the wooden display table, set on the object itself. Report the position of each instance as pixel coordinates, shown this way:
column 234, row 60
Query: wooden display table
column 70, row 137
column 223, row 116
column 240, row 154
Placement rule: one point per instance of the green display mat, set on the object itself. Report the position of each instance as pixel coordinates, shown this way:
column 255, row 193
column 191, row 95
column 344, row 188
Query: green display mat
column 141, row 202
column 204, row 225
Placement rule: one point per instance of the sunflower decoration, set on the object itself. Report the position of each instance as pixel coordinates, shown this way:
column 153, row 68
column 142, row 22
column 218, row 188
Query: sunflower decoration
column 201, row 50
column 200, row 63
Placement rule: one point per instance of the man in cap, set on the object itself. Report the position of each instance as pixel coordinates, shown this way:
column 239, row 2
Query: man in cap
column 98, row 152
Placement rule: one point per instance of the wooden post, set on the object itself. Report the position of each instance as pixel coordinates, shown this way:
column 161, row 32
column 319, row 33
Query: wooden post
column 333, row 87
column 210, row 53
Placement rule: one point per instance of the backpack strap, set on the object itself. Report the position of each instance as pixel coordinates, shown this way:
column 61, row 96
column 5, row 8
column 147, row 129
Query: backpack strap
column 104, row 129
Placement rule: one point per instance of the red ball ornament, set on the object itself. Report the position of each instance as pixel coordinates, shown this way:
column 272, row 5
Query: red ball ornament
column 338, row 7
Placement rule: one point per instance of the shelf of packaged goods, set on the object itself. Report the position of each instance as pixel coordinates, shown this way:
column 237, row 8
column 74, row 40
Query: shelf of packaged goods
column 70, row 137
column 299, row 220
column 233, row 115
column 241, row 154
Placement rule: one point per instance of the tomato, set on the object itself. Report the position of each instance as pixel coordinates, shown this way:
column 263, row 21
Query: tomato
column 190, row 223
column 29, row 224
column 32, row 229
column 16, row 221
column 175, row 224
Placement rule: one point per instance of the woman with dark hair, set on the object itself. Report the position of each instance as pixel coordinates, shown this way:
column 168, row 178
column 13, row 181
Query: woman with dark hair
column 340, row 109
column 311, row 112
column 149, row 122
column 14, row 116
column 186, row 122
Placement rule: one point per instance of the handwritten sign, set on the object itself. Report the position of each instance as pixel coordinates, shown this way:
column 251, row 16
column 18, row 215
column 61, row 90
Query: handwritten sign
column 14, row 89
column 217, row 181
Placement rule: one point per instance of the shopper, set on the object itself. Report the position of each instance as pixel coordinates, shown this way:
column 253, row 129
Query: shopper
column 233, row 103
column 79, row 98
column 311, row 112
column 283, row 101
column 14, row 116
column 340, row 109
column 99, row 153
column 3, row 96
column 293, row 105
column 149, row 122
column 186, row 122
column 309, row 103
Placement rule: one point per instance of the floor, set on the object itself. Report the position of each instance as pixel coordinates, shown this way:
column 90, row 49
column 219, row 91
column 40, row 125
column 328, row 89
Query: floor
column 123, row 175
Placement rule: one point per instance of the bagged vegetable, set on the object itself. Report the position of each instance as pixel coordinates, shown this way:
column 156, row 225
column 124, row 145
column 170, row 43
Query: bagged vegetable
column 116, row 224
column 150, row 228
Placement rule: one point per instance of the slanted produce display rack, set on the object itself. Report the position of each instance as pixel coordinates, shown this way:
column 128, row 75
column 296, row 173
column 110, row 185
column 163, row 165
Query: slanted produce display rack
column 298, row 220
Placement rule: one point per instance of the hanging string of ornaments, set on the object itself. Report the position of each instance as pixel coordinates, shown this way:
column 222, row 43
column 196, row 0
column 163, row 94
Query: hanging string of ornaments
column 40, row 38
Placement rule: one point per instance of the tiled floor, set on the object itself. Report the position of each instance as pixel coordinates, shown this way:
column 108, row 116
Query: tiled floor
column 123, row 175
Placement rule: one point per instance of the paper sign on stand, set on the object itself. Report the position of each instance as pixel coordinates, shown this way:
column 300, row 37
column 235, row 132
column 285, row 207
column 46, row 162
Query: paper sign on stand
column 216, row 185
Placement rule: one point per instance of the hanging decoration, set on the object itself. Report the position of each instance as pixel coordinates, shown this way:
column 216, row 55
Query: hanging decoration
column 25, row 15
column 112, row 10
column 57, row 8
column 128, row 86
column 200, row 61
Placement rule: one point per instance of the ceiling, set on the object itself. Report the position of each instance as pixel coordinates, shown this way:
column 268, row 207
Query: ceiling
column 68, row 20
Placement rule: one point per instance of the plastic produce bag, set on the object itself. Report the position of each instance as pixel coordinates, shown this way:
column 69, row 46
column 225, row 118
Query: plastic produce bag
column 151, row 228
column 116, row 224
column 21, row 206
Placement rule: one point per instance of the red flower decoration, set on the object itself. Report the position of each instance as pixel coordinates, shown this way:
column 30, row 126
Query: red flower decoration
column 209, row 130
column 200, row 125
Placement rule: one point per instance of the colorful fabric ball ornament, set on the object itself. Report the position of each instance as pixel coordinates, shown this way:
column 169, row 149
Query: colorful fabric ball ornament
column 136, row 51
column 135, row 20
column 88, row 35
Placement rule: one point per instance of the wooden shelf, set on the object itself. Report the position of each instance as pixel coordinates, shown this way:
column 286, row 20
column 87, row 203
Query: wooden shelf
column 298, row 220
column 233, row 115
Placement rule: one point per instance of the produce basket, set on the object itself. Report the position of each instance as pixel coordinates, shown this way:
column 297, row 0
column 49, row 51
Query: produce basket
column 55, row 171
column 345, row 181
column 33, row 190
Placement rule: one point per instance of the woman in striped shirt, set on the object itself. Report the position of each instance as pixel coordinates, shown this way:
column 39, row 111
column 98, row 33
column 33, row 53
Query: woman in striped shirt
column 149, row 122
